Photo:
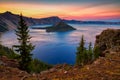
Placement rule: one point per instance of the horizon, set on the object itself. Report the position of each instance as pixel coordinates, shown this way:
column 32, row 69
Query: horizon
column 60, row 18
column 88, row 10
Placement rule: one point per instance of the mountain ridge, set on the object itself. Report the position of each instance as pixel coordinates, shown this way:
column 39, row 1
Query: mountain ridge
column 9, row 21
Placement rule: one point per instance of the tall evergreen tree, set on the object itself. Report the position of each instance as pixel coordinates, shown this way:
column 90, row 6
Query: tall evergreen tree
column 0, row 38
column 0, row 46
column 85, row 56
column 90, row 52
column 24, row 47
column 80, row 52
column 96, row 52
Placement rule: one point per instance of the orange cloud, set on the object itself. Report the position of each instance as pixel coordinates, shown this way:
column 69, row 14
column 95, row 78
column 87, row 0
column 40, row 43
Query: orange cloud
column 80, row 12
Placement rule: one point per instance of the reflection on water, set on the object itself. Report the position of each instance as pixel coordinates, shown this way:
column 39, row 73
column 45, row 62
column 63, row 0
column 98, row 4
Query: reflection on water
column 58, row 47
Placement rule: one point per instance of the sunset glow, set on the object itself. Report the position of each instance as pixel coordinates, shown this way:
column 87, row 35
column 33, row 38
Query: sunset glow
column 78, row 11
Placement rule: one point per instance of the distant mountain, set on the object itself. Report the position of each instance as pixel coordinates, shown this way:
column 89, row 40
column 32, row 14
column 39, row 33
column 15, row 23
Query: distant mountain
column 60, row 27
column 91, row 22
column 9, row 21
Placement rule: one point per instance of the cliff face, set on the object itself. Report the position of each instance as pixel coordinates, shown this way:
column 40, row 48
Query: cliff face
column 109, row 39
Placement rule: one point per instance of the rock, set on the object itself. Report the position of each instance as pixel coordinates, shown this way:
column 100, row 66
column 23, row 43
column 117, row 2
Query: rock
column 24, row 77
column 44, row 78
column 2, row 63
column 97, row 62
column 52, row 70
column 109, row 39
column 65, row 72
column 33, row 74
column 4, row 57
column 88, row 68
column 44, row 72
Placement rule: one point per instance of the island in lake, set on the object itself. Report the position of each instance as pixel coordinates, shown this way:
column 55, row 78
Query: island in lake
column 58, row 27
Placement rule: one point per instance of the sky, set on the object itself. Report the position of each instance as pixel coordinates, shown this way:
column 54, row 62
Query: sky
column 66, row 9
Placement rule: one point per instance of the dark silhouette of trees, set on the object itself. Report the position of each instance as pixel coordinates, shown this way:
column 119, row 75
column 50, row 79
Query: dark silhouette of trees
column 0, row 38
column 24, row 47
column 81, row 50
column 90, row 53
column 96, row 52
column 86, row 56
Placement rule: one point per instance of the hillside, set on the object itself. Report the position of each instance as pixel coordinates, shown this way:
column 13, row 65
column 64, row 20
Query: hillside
column 104, row 68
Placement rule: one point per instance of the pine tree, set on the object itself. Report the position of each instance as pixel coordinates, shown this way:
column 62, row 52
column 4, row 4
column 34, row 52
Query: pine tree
column 24, row 47
column 90, row 53
column 96, row 52
column 0, row 38
column 80, row 52
column 0, row 46
column 85, row 56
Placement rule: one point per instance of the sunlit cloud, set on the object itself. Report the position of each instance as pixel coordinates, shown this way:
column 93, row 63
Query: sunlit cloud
column 80, row 11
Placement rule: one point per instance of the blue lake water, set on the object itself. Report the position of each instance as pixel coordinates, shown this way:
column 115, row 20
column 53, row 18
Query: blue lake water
column 58, row 47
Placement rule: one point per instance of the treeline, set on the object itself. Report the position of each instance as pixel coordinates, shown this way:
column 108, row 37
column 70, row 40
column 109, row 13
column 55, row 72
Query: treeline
column 86, row 55
column 5, row 51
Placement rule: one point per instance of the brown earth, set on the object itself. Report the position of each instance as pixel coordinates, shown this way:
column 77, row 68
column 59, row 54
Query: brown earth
column 104, row 68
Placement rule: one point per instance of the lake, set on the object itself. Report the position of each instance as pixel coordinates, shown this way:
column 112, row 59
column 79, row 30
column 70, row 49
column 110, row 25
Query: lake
column 58, row 47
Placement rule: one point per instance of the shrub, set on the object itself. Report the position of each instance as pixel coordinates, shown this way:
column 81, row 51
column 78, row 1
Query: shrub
column 85, row 56
column 38, row 66
column 5, row 51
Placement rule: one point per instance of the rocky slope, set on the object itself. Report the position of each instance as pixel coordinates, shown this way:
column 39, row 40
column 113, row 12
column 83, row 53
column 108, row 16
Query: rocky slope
column 109, row 39
column 104, row 68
